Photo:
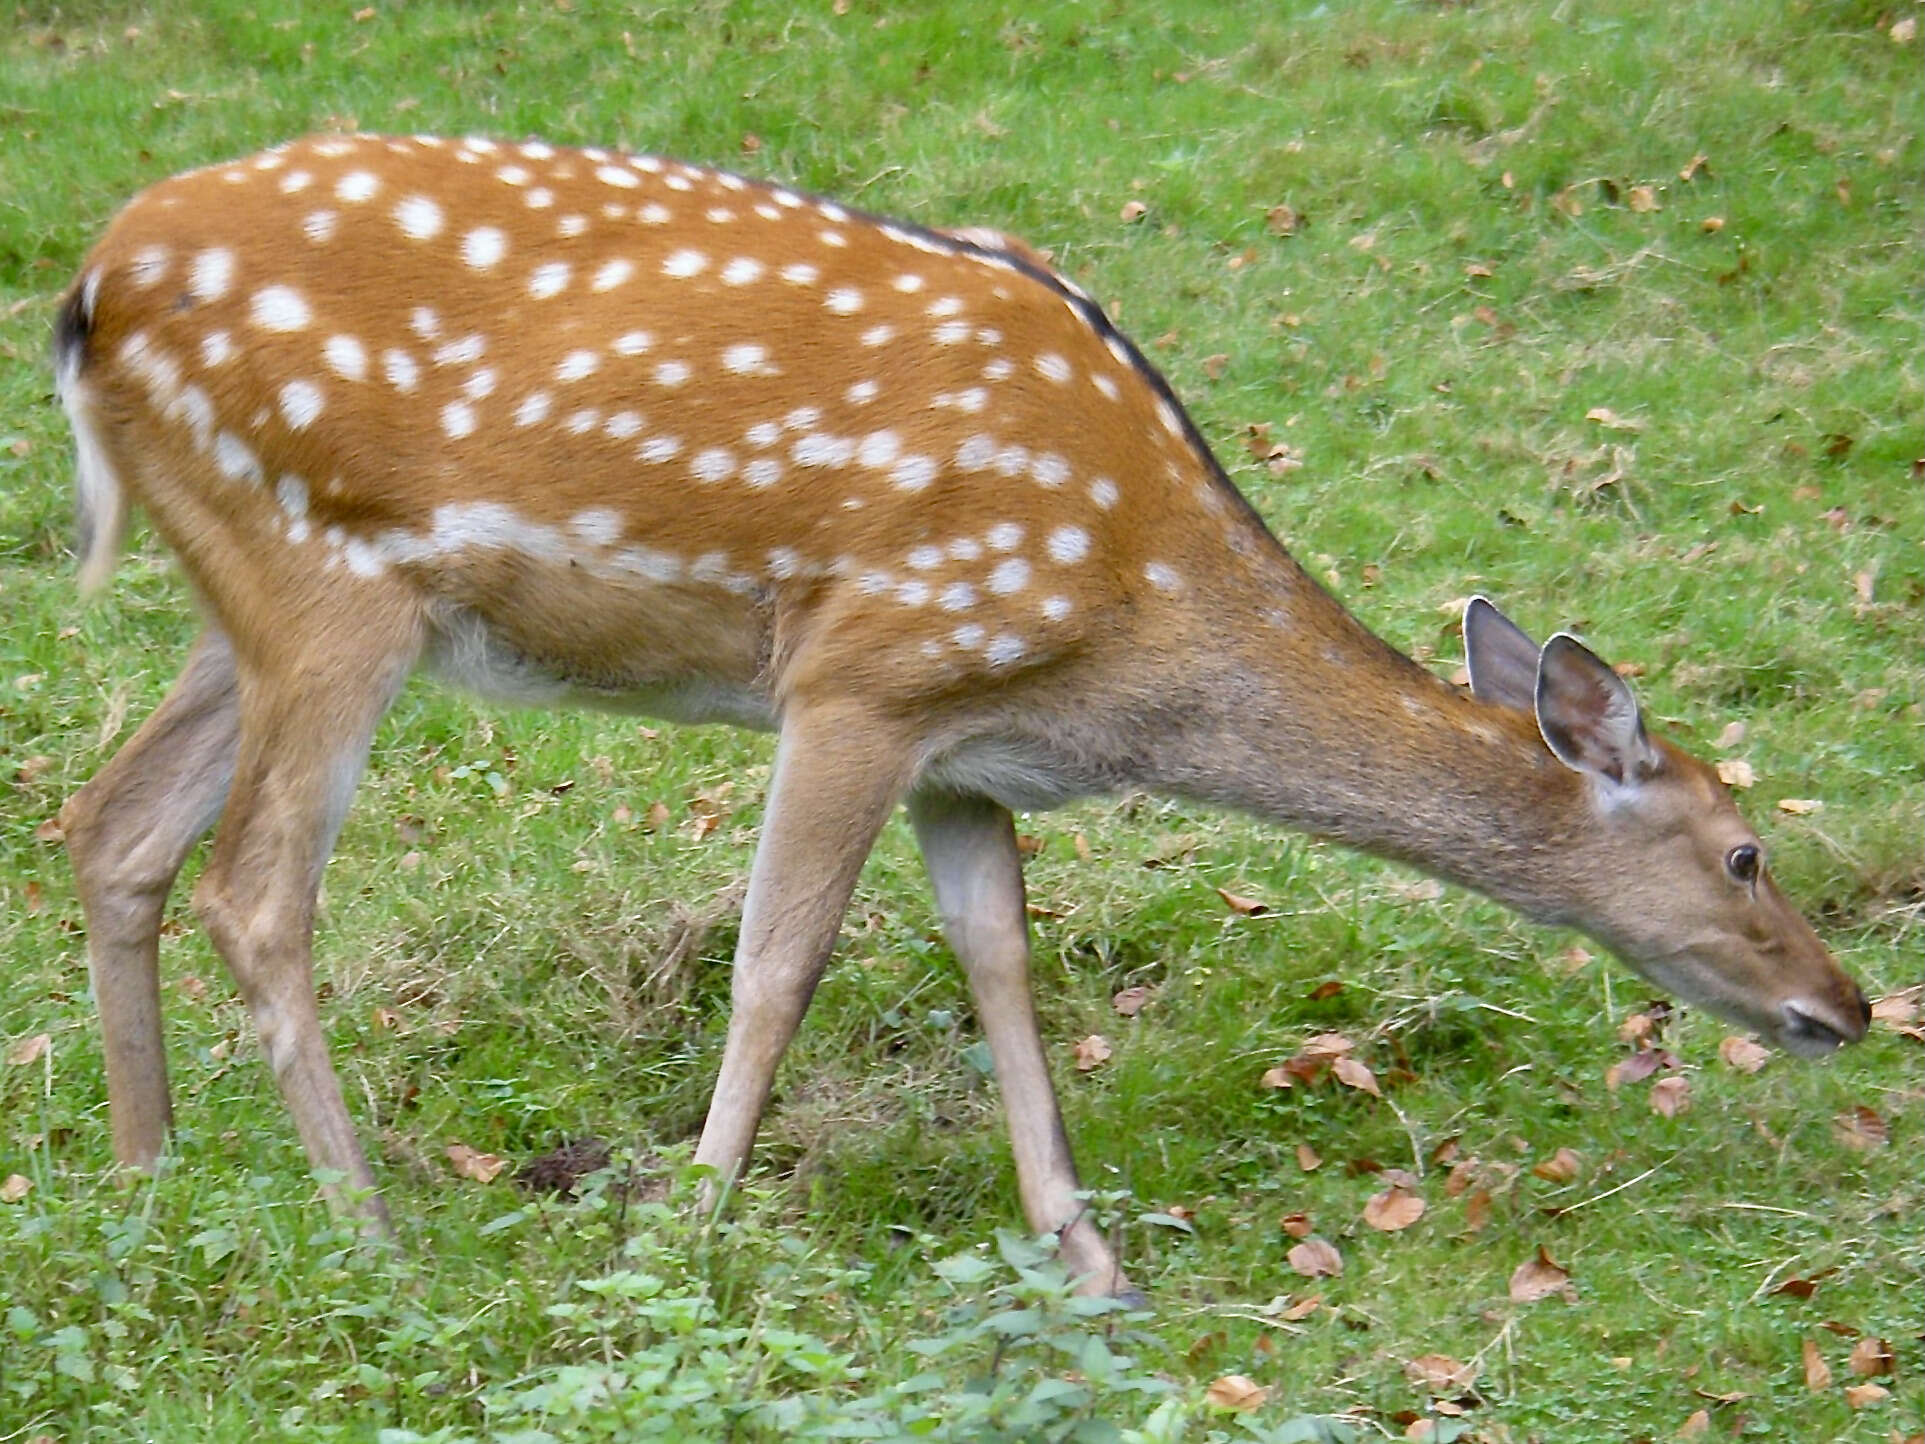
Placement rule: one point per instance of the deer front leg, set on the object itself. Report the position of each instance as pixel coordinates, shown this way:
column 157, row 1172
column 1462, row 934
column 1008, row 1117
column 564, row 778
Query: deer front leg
column 306, row 726
column 838, row 771
column 969, row 846
column 128, row 832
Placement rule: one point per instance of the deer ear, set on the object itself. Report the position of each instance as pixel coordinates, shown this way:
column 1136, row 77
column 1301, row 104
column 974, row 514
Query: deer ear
column 1588, row 716
column 1502, row 659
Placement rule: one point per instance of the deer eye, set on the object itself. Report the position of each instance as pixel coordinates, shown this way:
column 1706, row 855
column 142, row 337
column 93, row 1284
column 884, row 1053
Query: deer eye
column 1742, row 862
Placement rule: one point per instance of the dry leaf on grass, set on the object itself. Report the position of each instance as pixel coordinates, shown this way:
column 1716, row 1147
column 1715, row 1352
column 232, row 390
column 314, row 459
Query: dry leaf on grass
column 1393, row 1210
column 16, row 1187
column 1560, row 1167
column 1315, row 1258
column 1736, row 772
column 1440, row 1374
column 1093, row 1052
column 1327, row 1045
column 1353, row 1074
column 1871, row 1357
column 481, row 1167
column 1129, row 1002
column 1862, row 1128
column 1800, row 806
column 1308, row 1159
column 1538, row 1278
column 1297, row 1225
column 1247, row 907
column 1671, row 1096
column 30, row 1050
column 1235, row 1392
column 1699, row 1423
column 1863, row 1396
column 1302, row 1309
column 1817, row 1371
column 1897, row 1008
column 1743, row 1054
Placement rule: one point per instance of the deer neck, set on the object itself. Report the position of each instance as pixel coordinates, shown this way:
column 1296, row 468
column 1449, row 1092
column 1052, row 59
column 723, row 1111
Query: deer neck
column 1308, row 719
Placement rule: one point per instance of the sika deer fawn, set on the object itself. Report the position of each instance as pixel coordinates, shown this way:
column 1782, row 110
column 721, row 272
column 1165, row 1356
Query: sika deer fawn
column 573, row 426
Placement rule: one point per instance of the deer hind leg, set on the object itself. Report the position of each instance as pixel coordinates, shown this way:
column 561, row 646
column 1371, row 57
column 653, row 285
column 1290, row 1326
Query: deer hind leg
column 969, row 847
column 128, row 832
column 838, row 771
column 307, row 720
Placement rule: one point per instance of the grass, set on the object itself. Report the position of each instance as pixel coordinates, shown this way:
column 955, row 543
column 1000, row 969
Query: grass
column 1512, row 353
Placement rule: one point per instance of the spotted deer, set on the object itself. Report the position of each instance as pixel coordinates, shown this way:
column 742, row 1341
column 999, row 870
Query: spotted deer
column 584, row 427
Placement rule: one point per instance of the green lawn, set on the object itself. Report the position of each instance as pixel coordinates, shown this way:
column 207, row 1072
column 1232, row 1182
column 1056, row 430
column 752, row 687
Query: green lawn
column 1608, row 310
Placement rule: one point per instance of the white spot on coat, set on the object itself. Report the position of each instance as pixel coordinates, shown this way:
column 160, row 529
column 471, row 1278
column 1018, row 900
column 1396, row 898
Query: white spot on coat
column 484, row 246
column 549, row 278
column 1010, row 575
column 419, row 218
column 300, row 403
column 211, row 274
column 356, row 186
column 346, row 357
column 577, row 364
column 458, row 419
column 685, row 263
column 611, row 274
column 1068, row 544
column 400, row 369
column 741, row 271
column 280, row 308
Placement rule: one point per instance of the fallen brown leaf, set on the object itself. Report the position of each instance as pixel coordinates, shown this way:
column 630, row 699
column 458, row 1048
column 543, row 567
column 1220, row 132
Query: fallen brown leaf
column 1353, row 1074
column 1277, row 1077
column 1643, row 199
column 1248, row 907
column 16, row 1187
column 1237, row 1393
column 1327, row 1045
column 1538, row 1278
column 1297, row 1225
column 1129, row 1002
column 1560, row 1167
column 1440, row 1373
column 481, row 1167
column 1872, row 1357
column 1817, row 1371
column 1698, row 1423
column 1862, row 1128
column 1315, row 1258
column 1477, row 1210
column 1864, row 1396
column 1393, row 1210
column 1897, row 1008
column 1671, row 1096
column 1308, row 1158
column 1800, row 806
column 30, row 1050
column 1133, row 211
column 1283, row 220
column 1743, row 1054
column 1301, row 1309
column 1736, row 772
column 1093, row 1052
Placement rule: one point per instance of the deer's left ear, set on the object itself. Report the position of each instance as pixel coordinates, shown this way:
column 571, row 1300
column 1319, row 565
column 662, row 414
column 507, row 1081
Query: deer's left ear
column 1501, row 658
column 1588, row 716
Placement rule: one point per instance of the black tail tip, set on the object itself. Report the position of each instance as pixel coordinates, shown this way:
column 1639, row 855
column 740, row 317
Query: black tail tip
column 71, row 330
